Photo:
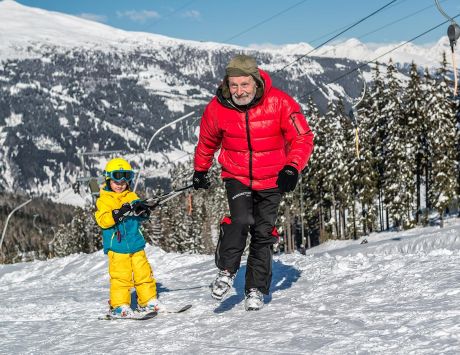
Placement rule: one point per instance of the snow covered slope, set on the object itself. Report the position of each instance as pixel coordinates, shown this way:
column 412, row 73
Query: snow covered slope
column 22, row 27
column 398, row 294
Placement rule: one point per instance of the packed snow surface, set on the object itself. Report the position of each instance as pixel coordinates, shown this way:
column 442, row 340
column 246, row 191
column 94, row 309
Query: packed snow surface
column 398, row 294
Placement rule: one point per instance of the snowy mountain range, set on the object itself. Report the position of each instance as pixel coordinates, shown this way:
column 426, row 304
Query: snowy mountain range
column 425, row 56
column 71, row 86
column 397, row 295
column 56, row 29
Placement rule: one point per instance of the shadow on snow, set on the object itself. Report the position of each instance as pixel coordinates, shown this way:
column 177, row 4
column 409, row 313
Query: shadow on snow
column 283, row 278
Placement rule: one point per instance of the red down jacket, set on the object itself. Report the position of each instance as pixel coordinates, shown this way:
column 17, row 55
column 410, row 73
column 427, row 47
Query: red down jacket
column 257, row 142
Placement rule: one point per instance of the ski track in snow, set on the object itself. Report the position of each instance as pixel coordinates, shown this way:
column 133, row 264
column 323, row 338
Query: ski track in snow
column 398, row 294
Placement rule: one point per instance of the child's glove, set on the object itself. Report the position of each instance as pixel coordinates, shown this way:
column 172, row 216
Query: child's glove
column 120, row 214
column 141, row 209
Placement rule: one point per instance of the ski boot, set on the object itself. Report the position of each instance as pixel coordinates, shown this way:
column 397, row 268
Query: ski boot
column 254, row 300
column 153, row 305
column 123, row 311
column 222, row 284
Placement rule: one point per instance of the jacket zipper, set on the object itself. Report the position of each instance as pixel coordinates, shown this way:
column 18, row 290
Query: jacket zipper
column 293, row 119
column 126, row 236
column 250, row 148
column 111, row 240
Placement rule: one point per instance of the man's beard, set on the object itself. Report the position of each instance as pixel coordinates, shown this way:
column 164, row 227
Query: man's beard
column 244, row 99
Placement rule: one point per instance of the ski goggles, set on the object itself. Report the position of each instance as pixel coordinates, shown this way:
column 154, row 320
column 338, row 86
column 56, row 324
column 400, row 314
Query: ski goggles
column 119, row 175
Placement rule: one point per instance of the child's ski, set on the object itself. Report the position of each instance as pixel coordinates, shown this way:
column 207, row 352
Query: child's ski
column 149, row 315
column 178, row 310
column 135, row 316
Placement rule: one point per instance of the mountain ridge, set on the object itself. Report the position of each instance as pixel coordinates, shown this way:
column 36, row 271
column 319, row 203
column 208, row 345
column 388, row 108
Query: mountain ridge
column 61, row 98
column 79, row 31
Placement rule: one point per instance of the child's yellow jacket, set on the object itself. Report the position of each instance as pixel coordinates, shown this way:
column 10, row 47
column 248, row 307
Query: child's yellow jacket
column 125, row 237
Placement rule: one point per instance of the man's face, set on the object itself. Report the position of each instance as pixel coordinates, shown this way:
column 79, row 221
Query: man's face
column 242, row 88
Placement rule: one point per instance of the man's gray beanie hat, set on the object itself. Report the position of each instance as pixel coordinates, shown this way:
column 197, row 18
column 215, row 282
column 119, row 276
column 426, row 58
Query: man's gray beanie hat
column 243, row 65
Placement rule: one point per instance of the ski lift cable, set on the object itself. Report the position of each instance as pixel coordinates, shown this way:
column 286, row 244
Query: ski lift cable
column 397, row 20
column 376, row 58
column 337, row 35
column 138, row 175
column 443, row 12
column 343, row 27
column 360, row 37
column 266, row 20
column 453, row 33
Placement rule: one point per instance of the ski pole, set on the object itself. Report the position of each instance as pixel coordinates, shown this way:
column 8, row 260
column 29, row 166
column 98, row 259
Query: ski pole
column 154, row 202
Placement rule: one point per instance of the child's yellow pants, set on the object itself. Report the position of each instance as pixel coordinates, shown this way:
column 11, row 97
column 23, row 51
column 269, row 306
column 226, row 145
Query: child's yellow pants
column 127, row 271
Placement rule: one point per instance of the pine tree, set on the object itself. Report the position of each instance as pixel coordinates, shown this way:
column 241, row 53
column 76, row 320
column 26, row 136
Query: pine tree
column 378, row 137
column 442, row 137
column 81, row 235
column 346, row 185
column 365, row 175
column 417, row 126
column 398, row 185
column 312, row 213
column 331, row 160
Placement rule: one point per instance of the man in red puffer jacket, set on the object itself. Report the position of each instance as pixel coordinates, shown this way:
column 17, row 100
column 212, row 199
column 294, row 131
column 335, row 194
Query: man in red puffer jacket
column 264, row 143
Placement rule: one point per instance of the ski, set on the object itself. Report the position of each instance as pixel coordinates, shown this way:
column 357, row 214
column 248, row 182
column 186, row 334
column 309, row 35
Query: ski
column 135, row 316
column 149, row 315
column 178, row 310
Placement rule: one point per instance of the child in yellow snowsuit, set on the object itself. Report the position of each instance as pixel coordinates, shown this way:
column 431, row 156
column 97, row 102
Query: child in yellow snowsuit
column 120, row 214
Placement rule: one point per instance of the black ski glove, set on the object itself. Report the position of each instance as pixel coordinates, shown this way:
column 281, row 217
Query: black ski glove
column 141, row 209
column 120, row 214
column 201, row 180
column 287, row 178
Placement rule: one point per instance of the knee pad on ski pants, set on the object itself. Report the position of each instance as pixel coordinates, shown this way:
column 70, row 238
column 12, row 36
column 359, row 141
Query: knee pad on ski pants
column 231, row 244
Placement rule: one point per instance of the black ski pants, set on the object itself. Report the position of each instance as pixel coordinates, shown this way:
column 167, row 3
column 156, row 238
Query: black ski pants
column 255, row 212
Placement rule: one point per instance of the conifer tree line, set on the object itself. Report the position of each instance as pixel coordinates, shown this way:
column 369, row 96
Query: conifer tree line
column 407, row 172
column 32, row 232
column 408, row 165
column 189, row 222
column 407, row 169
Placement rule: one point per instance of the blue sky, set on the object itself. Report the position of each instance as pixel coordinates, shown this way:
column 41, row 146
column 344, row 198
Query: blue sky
column 264, row 21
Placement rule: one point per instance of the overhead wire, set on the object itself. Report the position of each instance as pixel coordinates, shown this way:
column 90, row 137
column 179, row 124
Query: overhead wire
column 266, row 20
column 453, row 33
column 378, row 57
column 343, row 27
column 337, row 35
column 398, row 20
column 392, row 23
column 443, row 12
